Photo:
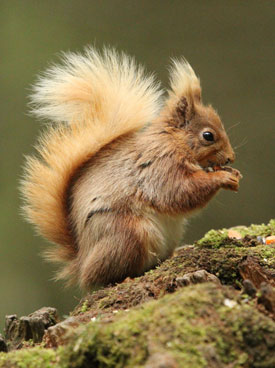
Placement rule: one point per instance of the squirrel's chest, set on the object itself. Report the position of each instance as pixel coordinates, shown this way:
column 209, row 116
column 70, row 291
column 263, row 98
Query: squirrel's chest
column 165, row 234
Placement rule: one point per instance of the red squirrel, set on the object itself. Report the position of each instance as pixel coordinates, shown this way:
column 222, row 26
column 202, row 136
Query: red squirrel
column 122, row 167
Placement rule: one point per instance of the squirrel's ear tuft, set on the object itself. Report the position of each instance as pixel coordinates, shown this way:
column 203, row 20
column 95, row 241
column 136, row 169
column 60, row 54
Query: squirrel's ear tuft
column 184, row 92
column 183, row 81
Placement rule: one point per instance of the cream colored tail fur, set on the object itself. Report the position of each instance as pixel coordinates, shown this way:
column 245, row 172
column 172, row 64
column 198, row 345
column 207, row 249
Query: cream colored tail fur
column 93, row 99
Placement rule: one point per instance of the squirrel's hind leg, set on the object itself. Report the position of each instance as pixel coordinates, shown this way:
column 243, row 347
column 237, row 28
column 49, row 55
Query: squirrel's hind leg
column 119, row 250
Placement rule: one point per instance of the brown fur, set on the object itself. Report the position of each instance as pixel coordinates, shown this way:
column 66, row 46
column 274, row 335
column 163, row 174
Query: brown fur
column 124, row 199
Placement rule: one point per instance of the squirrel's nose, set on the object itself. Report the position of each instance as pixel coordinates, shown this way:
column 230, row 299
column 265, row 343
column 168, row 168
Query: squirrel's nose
column 230, row 158
column 228, row 161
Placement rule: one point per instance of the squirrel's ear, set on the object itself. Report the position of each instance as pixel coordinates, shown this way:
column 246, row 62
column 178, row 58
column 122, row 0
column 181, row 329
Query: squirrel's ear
column 184, row 92
column 181, row 113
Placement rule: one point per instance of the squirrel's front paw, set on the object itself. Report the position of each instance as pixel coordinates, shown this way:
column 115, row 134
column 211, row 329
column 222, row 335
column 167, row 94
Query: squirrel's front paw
column 232, row 171
column 230, row 179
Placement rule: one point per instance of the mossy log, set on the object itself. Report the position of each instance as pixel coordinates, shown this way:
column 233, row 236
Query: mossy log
column 211, row 305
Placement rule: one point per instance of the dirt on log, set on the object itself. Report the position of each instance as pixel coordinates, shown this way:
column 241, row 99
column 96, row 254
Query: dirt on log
column 211, row 305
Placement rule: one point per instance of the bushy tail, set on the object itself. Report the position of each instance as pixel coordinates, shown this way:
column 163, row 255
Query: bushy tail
column 93, row 99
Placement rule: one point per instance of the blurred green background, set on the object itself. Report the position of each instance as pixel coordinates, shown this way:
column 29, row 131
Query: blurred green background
column 229, row 44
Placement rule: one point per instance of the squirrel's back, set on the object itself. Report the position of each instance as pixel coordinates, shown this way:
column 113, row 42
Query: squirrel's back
column 92, row 99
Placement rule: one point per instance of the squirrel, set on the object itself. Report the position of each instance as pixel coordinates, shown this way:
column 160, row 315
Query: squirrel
column 121, row 167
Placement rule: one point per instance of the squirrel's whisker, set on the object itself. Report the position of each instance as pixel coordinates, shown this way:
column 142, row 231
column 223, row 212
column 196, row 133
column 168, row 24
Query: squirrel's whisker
column 243, row 143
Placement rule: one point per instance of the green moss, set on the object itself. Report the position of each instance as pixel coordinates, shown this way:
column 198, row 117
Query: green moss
column 213, row 238
column 258, row 230
column 161, row 325
column 183, row 324
column 84, row 306
column 250, row 339
column 193, row 326
column 29, row 358
column 219, row 238
column 267, row 255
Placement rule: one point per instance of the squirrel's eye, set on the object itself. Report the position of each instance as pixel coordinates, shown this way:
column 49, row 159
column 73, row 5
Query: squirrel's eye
column 208, row 136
